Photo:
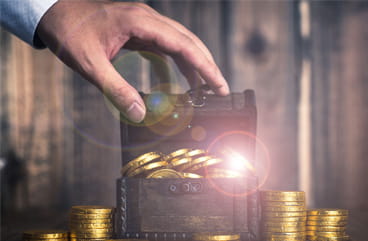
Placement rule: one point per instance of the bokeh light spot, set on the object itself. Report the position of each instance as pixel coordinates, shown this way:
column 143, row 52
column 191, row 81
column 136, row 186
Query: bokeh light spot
column 198, row 133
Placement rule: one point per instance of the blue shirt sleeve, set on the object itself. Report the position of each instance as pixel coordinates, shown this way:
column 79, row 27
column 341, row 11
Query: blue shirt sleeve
column 21, row 17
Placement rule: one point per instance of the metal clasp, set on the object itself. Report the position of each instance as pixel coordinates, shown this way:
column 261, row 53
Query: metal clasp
column 186, row 187
column 197, row 96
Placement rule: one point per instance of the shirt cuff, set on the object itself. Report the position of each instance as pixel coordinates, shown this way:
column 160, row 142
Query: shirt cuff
column 21, row 17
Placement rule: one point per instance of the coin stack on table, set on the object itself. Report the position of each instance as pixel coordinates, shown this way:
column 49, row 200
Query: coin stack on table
column 327, row 225
column 283, row 215
column 91, row 223
column 46, row 235
column 215, row 237
column 182, row 163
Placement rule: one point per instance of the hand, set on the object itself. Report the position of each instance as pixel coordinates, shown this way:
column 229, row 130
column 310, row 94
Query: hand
column 86, row 35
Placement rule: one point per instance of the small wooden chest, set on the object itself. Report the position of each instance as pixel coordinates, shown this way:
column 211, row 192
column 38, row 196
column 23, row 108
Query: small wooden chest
column 174, row 209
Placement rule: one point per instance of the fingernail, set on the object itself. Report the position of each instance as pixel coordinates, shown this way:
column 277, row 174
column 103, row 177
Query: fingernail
column 136, row 112
column 224, row 90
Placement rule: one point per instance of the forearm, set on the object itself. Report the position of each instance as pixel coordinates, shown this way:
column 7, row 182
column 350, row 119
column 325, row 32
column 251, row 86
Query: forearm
column 21, row 17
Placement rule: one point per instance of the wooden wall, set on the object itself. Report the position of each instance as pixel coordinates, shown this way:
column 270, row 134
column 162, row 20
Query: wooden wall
column 339, row 103
column 62, row 142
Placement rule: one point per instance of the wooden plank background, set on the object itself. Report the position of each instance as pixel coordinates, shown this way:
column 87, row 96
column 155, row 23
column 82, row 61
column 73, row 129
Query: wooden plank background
column 339, row 107
column 61, row 142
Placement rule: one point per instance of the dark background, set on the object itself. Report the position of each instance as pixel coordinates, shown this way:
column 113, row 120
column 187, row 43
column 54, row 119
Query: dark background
column 307, row 62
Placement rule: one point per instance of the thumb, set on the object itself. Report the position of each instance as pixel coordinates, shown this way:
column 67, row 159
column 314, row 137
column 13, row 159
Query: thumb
column 124, row 97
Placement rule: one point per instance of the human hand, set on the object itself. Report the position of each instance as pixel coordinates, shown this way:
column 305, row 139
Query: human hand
column 86, row 35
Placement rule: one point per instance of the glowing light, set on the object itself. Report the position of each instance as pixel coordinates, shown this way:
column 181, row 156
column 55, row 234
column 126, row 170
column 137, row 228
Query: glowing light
column 175, row 115
column 237, row 162
column 218, row 147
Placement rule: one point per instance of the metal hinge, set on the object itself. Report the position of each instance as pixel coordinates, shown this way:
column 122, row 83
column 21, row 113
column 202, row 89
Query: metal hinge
column 195, row 97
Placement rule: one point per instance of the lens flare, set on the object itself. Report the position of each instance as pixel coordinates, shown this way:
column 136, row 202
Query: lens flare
column 230, row 147
column 236, row 161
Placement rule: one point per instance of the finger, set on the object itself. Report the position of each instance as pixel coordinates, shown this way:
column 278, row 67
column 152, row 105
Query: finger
column 124, row 97
column 194, row 79
column 190, row 74
column 180, row 28
column 191, row 35
column 171, row 41
column 158, row 60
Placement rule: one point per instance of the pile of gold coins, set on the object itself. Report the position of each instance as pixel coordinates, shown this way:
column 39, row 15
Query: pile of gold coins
column 215, row 237
column 183, row 163
column 91, row 223
column 46, row 235
column 283, row 216
column 327, row 224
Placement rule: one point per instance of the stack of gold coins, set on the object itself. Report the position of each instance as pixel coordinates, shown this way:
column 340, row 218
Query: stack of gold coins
column 283, row 215
column 182, row 163
column 327, row 224
column 216, row 237
column 45, row 235
column 92, row 223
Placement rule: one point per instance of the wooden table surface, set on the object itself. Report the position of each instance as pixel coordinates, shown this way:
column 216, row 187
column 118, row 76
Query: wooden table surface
column 13, row 225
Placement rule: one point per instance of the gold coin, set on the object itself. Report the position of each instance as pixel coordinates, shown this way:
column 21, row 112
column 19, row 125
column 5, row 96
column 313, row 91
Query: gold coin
column 326, row 228
column 325, row 223
column 284, row 224
column 284, row 219
column 77, row 216
column 165, row 173
column 223, row 173
column 179, row 162
column 93, row 231
column 210, row 162
column 147, row 168
column 274, row 238
column 45, row 239
column 193, row 162
column 328, row 218
column 330, row 234
column 90, row 235
column 140, row 161
column 342, row 238
column 270, row 195
column 283, row 229
column 282, row 203
column 92, row 209
column 91, row 221
column 176, row 154
column 215, row 237
column 311, row 238
column 87, row 239
column 45, row 234
column 90, row 225
column 196, row 153
column 311, row 232
column 283, row 214
column 190, row 175
column 283, row 235
column 328, row 212
column 284, row 209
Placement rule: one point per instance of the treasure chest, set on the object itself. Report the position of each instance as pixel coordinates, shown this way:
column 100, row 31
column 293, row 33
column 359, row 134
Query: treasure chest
column 176, row 208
